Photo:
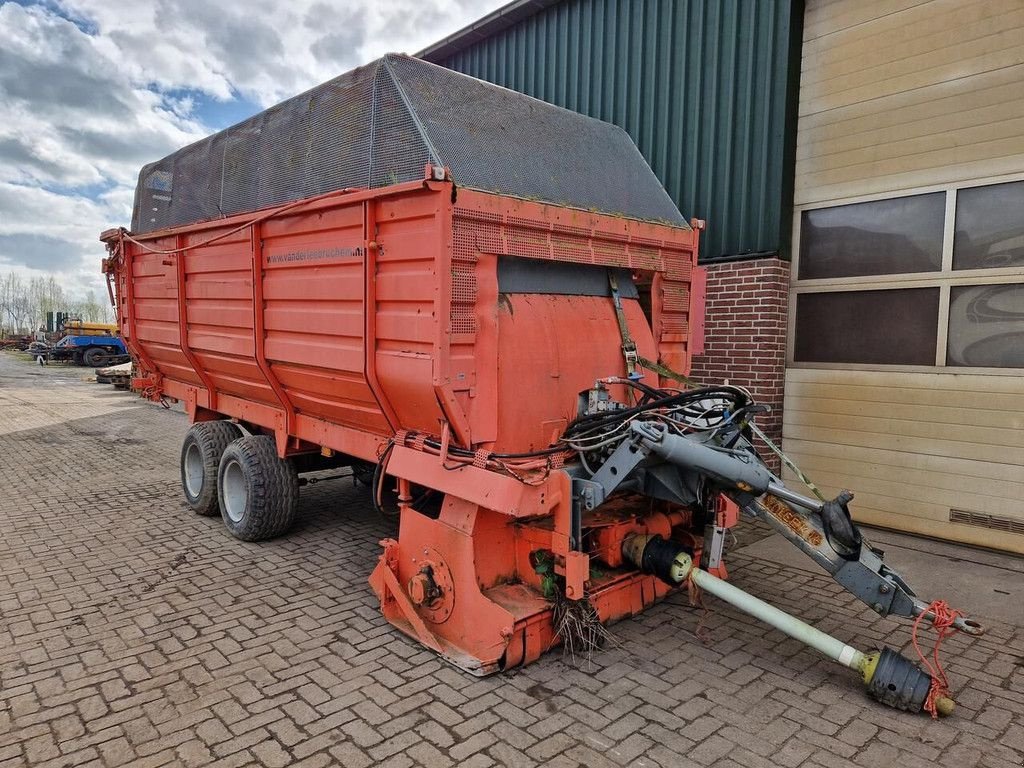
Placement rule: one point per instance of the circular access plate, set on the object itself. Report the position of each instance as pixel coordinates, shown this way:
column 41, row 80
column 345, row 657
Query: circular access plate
column 438, row 611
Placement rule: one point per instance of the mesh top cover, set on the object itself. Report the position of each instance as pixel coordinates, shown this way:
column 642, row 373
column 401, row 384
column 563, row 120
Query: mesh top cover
column 381, row 124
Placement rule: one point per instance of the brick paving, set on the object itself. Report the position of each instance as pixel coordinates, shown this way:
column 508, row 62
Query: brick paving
column 134, row 633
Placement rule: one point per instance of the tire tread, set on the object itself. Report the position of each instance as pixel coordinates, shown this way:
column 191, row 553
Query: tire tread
column 273, row 488
column 213, row 438
column 94, row 357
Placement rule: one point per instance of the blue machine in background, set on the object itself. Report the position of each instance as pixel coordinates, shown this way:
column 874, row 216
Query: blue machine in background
column 93, row 351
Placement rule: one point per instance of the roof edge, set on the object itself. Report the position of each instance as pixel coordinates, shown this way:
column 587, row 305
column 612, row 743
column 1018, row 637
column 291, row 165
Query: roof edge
column 494, row 22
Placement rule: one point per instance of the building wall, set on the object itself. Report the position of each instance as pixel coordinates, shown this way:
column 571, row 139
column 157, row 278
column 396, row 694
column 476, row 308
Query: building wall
column 905, row 378
column 706, row 89
column 745, row 335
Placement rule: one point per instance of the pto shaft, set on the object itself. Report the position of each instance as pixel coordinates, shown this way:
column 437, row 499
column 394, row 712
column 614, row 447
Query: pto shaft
column 820, row 641
column 890, row 677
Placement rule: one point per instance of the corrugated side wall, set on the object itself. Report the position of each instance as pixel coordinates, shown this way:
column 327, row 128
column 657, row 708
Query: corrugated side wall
column 701, row 86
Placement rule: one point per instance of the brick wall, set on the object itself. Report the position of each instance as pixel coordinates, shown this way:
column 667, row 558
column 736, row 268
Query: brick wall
column 745, row 334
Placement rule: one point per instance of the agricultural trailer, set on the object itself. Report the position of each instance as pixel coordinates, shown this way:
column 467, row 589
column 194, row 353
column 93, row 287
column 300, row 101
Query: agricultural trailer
column 488, row 304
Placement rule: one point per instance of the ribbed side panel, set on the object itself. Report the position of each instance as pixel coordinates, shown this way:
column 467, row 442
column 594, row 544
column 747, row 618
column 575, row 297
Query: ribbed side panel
column 701, row 87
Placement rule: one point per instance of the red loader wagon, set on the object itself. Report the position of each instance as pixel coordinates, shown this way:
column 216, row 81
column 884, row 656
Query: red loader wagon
column 488, row 304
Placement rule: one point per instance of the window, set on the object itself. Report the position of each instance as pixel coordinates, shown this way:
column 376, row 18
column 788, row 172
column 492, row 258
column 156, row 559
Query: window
column 892, row 327
column 883, row 237
column 933, row 279
column 986, row 326
column 989, row 227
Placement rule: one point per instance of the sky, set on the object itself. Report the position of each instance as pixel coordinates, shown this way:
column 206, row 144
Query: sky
column 90, row 90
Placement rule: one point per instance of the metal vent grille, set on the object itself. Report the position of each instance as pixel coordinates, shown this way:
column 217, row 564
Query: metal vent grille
column 982, row 520
column 380, row 125
column 469, row 234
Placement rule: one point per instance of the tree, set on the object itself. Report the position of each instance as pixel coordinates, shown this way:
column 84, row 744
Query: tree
column 46, row 296
column 5, row 302
column 90, row 310
column 17, row 301
column 24, row 304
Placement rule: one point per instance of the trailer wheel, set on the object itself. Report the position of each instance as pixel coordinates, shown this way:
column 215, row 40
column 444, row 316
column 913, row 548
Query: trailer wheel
column 200, row 457
column 258, row 491
column 94, row 357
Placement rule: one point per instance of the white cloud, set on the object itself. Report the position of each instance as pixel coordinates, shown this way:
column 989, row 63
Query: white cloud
column 90, row 90
column 70, row 105
column 265, row 49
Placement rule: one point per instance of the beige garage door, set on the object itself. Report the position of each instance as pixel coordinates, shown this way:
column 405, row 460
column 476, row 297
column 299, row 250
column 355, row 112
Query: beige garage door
column 906, row 348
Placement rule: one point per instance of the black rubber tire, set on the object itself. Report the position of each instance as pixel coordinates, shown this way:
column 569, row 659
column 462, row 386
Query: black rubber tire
column 94, row 357
column 209, row 438
column 271, row 489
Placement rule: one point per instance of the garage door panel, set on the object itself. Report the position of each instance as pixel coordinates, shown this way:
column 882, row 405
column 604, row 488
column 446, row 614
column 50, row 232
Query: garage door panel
column 905, row 98
column 941, row 465
column 899, row 427
column 953, row 415
column 936, row 528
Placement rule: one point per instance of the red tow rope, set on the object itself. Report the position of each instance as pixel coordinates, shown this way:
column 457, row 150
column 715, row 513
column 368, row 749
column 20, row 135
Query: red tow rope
column 943, row 619
column 702, row 632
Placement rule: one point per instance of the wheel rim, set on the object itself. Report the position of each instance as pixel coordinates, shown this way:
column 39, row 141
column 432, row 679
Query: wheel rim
column 236, row 495
column 194, row 470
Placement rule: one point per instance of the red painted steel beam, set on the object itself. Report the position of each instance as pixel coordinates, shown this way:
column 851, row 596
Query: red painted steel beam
column 260, row 339
column 133, row 329
column 370, row 312
column 186, row 349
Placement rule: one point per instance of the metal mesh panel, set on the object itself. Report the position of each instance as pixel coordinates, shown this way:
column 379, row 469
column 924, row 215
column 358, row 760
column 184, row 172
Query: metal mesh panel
column 499, row 140
column 399, row 149
column 337, row 132
column 280, row 149
column 379, row 125
column 240, row 171
column 316, row 142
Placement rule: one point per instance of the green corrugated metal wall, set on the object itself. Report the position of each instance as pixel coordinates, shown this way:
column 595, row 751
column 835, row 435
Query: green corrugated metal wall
column 706, row 88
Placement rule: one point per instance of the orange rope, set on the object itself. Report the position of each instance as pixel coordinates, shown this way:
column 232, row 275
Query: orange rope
column 943, row 619
column 255, row 220
column 701, row 632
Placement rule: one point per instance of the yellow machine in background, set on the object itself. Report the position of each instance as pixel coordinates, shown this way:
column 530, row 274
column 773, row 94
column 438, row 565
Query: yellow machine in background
column 82, row 328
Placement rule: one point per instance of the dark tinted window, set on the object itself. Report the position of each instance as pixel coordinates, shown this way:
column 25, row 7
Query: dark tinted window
column 986, row 326
column 890, row 327
column 989, row 227
column 883, row 237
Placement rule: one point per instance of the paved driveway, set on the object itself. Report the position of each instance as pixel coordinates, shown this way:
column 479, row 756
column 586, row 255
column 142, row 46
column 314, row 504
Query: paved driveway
column 134, row 633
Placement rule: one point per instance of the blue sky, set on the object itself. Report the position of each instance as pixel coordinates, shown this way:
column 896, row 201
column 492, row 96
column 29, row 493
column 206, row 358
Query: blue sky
column 90, row 90
column 217, row 113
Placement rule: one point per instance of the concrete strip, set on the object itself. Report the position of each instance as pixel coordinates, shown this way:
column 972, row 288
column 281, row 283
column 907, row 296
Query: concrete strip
column 983, row 584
